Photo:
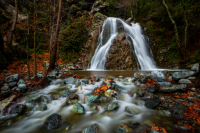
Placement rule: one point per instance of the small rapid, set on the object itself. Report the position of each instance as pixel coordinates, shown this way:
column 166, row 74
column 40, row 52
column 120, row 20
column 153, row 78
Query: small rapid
column 107, row 121
column 141, row 48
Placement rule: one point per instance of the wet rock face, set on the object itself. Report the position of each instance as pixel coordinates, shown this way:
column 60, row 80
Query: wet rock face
column 52, row 122
column 153, row 102
column 178, row 111
column 88, row 49
column 120, row 55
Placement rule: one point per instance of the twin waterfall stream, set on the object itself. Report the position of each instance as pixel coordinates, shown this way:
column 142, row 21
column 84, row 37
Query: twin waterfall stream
column 142, row 52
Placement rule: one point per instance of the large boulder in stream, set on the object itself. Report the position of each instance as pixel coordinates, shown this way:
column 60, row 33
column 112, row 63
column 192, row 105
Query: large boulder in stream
column 52, row 122
column 153, row 102
column 181, row 87
column 132, row 110
column 120, row 55
column 78, row 108
column 5, row 91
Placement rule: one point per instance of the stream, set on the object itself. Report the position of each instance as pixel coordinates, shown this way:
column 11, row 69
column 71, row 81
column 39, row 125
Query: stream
column 107, row 121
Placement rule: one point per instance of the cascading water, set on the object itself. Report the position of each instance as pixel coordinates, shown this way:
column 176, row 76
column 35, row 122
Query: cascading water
column 134, row 32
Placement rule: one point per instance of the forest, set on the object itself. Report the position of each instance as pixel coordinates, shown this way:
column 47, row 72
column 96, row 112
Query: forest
column 100, row 66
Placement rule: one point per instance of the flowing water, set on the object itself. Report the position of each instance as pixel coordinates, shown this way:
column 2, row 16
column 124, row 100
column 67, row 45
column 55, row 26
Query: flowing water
column 110, row 28
column 107, row 122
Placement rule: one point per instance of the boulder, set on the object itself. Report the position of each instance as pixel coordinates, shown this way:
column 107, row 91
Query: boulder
column 180, row 75
column 178, row 111
column 184, row 81
column 42, row 107
column 22, row 87
column 153, row 102
column 34, row 99
column 181, row 87
column 85, row 81
column 90, row 129
column 5, row 91
column 12, row 84
column 52, row 122
column 20, row 109
column 69, row 80
column 12, row 78
column 132, row 110
column 21, row 81
column 157, row 76
column 73, row 96
column 153, row 88
column 196, row 67
column 78, row 108
column 165, row 84
column 91, row 99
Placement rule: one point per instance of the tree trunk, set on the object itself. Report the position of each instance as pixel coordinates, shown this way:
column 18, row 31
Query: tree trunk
column 186, row 27
column 27, row 50
column 53, row 58
column 125, row 10
column 10, row 35
column 35, row 65
column 176, row 33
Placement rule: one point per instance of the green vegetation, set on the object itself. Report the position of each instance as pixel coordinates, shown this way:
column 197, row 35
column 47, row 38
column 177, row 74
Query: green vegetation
column 73, row 37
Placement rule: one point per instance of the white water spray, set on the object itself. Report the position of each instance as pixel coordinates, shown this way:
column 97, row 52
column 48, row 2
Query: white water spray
column 134, row 32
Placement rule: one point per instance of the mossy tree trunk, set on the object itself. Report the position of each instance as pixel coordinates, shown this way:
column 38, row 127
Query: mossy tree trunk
column 179, row 48
column 10, row 35
column 186, row 27
column 53, row 58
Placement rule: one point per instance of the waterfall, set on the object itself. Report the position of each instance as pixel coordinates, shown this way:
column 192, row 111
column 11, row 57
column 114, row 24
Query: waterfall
column 108, row 34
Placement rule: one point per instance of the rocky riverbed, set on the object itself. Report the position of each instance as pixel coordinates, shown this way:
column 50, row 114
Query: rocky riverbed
column 156, row 101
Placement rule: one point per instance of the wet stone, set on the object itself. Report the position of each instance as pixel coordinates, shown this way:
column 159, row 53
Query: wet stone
column 78, row 108
column 12, row 84
column 69, row 92
column 153, row 102
column 120, row 130
column 141, row 93
column 69, row 80
column 5, row 91
column 20, row 109
column 7, row 123
column 181, row 87
column 22, row 87
column 113, row 106
column 42, row 107
column 178, row 111
column 91, row 129
column 103, row 99
column 142, row 80
column 52, row 122
column 73, row 96
column 90, row 99
column 85, row 81
column 78, row 83
column 133, row 124
column 153, row 88
column 165, row 84
column 34, row 99
column 132, row 110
